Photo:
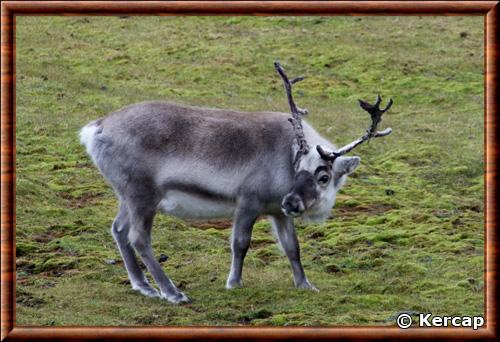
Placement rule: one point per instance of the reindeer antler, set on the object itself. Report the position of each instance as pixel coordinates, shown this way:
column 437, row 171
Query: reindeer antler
column 376, row 116
column 297, row 113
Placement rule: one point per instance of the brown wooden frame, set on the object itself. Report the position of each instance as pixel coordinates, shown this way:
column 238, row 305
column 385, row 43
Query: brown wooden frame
column 10, row 9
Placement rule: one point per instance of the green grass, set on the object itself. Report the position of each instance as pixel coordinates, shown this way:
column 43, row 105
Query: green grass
column 408, row 231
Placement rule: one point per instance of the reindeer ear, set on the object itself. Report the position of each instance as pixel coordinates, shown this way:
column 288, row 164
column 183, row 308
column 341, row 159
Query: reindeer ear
column 345, row 165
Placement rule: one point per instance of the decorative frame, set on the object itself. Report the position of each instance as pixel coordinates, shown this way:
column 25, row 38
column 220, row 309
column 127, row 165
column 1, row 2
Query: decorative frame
column 10, row 9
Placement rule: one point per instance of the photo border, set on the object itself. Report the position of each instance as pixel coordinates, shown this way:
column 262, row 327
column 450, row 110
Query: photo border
column 11, row 9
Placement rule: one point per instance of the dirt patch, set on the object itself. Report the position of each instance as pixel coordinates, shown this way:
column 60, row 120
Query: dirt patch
column 80, row 201
column 442, row 213
column 248, row 317
column 332, row 268
column 207, row 224
column 47, row 236
column 83, row 165
column 23, row 265
column 53, row 273
column 259, row 242
column 316, row 235
column 27, row 299
column 473, row 207
column 374, row 209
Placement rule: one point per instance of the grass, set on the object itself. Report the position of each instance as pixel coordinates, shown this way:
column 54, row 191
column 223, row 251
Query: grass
column 408, row 231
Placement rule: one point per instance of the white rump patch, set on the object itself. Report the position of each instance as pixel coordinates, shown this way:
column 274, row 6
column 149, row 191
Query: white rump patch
column 87, row 134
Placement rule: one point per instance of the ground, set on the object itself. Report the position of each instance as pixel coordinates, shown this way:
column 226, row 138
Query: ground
column 407, row 233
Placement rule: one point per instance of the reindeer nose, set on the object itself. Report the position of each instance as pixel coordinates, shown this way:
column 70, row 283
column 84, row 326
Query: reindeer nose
column 292, row 205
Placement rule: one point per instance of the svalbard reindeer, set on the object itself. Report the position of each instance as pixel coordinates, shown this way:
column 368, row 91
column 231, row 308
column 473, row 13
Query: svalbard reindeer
column 195, row 162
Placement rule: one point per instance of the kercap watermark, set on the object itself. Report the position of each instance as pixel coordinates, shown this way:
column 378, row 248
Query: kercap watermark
column 405, row 321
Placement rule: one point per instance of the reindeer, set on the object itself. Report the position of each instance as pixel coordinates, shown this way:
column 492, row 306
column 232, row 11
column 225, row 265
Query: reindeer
column 193, row 162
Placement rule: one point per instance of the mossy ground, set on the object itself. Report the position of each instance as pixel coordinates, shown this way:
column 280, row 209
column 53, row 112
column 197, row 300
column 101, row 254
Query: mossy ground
column 408, row 231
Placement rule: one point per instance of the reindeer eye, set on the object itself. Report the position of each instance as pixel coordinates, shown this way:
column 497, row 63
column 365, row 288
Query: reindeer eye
column 323, row 178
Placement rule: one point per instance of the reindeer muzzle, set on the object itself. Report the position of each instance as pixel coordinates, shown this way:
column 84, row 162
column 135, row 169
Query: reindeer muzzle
column 302, row 195
column 292, row 205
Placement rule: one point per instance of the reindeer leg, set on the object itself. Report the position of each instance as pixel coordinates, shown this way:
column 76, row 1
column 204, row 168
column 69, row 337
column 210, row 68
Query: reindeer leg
column 287, row 237
column 120, row 230
column 141, row 210
column 244, row 218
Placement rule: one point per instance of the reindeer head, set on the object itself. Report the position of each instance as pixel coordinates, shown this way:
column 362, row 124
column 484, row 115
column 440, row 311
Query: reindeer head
column 319, row 172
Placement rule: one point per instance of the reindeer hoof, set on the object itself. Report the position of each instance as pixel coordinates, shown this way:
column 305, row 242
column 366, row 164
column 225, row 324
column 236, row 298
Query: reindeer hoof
column 177, row 298
column 145, row 289
column 234, row 284
column 307, row 285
